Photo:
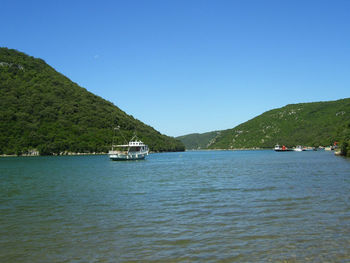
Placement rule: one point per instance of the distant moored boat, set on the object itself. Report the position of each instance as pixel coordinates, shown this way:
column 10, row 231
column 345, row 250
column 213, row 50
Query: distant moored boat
column 299, row 148
column 278, row 148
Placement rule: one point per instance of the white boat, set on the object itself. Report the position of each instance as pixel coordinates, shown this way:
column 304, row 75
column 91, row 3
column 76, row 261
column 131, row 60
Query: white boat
column 278, row 148
column 134, row 150
column 299, row 149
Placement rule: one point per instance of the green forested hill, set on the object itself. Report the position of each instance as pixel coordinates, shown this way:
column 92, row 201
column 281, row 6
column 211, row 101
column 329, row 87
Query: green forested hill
column 312, row 124
column 42, row 109
column 197, row 141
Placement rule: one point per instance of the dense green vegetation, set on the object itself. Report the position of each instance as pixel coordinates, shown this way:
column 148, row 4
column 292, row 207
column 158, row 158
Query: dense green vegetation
column 42, row 109
column 196, row 141
column 344, row 134
column 311, row 124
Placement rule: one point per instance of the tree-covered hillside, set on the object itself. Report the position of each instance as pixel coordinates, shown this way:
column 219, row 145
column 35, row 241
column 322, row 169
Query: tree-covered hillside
column 344, row 135
column 311, row 124
column 196, row 141
column 42, row 109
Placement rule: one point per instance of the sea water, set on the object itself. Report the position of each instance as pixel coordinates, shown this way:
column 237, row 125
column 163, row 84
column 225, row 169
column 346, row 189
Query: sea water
column 202, row 206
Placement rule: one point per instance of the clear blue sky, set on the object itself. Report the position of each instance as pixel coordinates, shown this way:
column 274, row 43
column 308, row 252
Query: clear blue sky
column 190, row 66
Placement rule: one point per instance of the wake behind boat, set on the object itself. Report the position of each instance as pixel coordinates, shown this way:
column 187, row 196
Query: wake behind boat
column 134, row 150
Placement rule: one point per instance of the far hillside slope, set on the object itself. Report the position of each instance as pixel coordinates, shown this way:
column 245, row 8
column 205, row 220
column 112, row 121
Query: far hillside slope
column 196, row 141
column 312, row 124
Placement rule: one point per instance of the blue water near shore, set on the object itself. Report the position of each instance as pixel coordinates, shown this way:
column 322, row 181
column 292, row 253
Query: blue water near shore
column 209, row 206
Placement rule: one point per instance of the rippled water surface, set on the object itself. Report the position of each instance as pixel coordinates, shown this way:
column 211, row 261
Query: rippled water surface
column 212, row 206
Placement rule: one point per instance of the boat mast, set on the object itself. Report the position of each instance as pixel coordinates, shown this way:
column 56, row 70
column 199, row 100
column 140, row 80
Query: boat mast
column 114, row 136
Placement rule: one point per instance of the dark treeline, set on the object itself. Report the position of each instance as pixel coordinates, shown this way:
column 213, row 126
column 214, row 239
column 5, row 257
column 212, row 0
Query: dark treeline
column 42, row 109
column 344, row 134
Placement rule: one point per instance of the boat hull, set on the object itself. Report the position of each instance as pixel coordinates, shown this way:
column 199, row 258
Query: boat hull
column 127, row 157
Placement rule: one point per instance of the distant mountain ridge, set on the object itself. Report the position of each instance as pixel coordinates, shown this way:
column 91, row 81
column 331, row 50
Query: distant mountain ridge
column 42, row 109
column 313, row 124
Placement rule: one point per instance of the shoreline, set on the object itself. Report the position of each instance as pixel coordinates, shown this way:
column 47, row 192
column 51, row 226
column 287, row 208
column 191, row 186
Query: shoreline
column 104, row 153
column 37, row 155
column 234, row 149
column 66, row 154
